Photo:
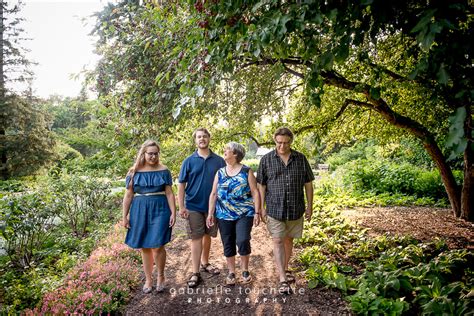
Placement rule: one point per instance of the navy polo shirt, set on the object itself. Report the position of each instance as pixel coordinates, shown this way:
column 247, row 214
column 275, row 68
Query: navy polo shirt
column 198, row 174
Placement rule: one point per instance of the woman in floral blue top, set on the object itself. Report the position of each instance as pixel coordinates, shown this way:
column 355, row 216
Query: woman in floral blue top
column 234, row 202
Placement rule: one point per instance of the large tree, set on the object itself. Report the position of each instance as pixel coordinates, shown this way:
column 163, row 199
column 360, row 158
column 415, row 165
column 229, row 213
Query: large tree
column 406, row 63
column 25, row 140
column 420, row 45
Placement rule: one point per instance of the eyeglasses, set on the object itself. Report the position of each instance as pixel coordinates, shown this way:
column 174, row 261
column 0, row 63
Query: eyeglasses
column 153, row 154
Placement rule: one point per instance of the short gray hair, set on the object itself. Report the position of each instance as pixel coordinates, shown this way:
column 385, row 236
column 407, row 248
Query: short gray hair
column 237, row 149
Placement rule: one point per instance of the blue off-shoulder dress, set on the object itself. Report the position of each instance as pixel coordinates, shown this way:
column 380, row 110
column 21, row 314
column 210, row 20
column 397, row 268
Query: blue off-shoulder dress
column 149, row 214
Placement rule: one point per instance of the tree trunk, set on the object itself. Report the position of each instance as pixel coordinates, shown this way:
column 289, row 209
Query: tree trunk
column 467, row 196
column 430, row 145
column 447, row 176
column 3, row 153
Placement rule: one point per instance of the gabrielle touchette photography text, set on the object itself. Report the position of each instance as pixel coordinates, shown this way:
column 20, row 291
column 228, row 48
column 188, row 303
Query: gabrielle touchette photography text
column 237, row 295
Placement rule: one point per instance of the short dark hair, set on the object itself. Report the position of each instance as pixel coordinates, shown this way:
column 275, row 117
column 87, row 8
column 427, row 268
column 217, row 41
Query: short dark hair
column 283, row 131
column 201, row 129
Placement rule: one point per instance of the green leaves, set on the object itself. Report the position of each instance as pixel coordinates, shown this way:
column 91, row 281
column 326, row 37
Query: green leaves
column 427, row 28
column 398, row 275
column 328, row 274
column 326, row 60
column 424, row 21
column 374, row 93
column 442, row 75
column 456, row 140
column 256, row 51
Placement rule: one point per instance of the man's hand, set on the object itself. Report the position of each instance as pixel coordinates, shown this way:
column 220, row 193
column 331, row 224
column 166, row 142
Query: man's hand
column 308, row 213
column 256, row 219
column 263, row 215
column 183, row 212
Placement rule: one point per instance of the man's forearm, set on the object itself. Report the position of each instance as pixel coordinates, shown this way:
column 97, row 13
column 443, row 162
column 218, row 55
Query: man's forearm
column 309, row 194
column 262, row 189
column 181, row 188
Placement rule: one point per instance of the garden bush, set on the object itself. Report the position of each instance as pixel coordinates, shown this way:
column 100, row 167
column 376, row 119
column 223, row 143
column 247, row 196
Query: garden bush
column 27, row 222
column 80, row 201
column 384, row 176
column 251, row 163
column 46, row 231
column 395, row 168
column 429, row 184
column 12, row 185
column 359, row 151
column 386, row 275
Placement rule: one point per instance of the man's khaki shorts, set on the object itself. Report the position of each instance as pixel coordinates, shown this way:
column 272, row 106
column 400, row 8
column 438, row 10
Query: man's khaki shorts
column 196, row 226
column 279, row 229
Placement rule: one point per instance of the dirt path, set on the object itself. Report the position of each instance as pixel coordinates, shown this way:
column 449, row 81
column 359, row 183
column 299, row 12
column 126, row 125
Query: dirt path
column 212, row 297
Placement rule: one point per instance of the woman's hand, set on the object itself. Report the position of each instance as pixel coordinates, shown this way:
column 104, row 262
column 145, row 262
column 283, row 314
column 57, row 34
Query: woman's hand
column 172, row 219
column 126, row 222
column 210, row 220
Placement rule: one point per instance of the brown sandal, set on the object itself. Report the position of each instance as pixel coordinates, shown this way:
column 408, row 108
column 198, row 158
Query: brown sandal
column 289, row 276
column 284, row 288
column 209, row 268
column 194, row 280
column 230, row 279
column 246, row 277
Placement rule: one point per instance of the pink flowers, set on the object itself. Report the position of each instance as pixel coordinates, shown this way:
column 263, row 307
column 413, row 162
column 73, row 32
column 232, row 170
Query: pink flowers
column 100, row 284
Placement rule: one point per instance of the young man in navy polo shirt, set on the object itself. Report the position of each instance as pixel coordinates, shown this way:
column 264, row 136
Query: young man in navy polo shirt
column 195, row 185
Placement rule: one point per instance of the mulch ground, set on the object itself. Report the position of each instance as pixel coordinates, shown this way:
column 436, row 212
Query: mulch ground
column 423, row 223
column 261, row 296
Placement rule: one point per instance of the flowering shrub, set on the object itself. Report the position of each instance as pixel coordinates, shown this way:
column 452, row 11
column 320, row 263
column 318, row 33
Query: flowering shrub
column 100, row 284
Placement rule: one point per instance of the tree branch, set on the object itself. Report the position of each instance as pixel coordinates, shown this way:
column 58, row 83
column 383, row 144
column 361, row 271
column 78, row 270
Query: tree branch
column 338, row 114
column 264, row 143
column 259, row 144
column 293, row 72
column 390, row 73
column 273, row 61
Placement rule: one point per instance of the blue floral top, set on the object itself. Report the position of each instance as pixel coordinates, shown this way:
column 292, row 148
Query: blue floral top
column 150, row 181
column 234, row 198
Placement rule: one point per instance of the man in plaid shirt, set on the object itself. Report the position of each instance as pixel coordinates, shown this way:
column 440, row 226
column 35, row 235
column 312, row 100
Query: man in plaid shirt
column 283, row 175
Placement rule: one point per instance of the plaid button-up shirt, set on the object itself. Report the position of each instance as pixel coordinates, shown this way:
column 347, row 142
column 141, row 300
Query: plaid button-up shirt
column 284, row 193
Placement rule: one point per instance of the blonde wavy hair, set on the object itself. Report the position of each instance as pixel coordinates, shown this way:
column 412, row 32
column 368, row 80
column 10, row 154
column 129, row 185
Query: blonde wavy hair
column 140, row 159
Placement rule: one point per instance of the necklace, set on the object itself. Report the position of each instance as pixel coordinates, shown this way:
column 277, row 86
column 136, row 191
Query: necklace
column 231, row 169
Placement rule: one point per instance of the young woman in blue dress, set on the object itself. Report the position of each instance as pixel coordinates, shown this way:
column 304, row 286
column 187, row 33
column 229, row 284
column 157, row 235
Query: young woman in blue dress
column 149, row 211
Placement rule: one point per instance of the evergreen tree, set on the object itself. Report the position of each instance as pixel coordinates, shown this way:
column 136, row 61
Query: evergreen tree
column 25, row 141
